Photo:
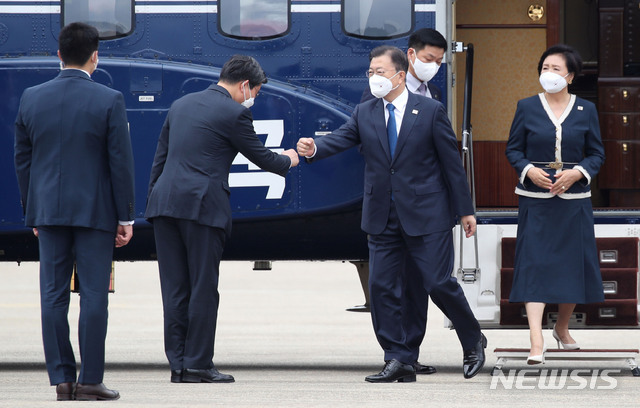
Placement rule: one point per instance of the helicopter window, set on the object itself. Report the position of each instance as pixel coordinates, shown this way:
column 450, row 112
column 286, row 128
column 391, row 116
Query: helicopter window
column 254, row 19
column 112, row 18
column 377, row 18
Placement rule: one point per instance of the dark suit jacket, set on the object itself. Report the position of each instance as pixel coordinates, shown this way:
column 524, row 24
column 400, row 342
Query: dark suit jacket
column 435, row 93
column 203, row 133
column 426, row 174
column 73, row 154
column 531, row 141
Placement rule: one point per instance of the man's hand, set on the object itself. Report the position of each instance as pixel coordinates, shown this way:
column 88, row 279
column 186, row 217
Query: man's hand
column 306, row 147
column 123, row 235
column 468, row 222
column 293, row 156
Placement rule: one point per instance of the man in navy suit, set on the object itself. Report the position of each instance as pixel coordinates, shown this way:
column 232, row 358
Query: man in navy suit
column 188, row 204
column 414, row 189
column 425, row 53
column 74, row 165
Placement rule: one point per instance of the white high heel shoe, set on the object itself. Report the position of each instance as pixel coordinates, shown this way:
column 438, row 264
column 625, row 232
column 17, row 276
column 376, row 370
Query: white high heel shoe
column 537, row 359
column 566, row 346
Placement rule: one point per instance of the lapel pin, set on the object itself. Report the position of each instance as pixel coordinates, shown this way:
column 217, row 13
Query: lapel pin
column 415, row 111
column 580, row 108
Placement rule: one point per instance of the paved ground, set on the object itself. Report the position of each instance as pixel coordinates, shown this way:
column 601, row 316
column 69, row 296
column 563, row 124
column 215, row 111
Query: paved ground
column 286, row 338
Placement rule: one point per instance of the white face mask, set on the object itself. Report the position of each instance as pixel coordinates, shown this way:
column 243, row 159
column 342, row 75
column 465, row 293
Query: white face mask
column 425, row 71
column 381, row 86
column 247, row 103
column 552, row 82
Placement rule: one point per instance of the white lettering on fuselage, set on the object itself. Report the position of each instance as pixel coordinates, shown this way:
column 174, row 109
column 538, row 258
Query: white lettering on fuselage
column 255, row 177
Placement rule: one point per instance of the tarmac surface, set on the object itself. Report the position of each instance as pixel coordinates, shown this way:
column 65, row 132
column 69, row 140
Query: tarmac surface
column 285, row 336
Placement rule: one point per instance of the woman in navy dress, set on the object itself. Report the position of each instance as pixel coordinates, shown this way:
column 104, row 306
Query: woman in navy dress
column 555, row 147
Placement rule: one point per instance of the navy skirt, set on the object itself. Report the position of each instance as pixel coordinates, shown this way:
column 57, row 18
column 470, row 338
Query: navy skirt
column 556, row 257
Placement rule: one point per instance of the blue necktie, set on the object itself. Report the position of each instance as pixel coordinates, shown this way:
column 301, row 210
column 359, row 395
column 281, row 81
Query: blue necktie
column 392, row 132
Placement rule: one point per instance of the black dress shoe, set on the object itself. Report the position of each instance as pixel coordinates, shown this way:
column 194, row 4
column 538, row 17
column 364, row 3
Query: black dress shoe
column 95, row 392
column 176, row 376
column 423, row 369
column 211, row 375
column 360, row 308
column 65, row 391
column 474, row 358
column 394, row 371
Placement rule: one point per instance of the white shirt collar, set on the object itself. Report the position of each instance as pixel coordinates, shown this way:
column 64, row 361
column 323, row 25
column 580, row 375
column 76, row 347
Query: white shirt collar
column 400, row 102
column 413, row 83
column 78, row 69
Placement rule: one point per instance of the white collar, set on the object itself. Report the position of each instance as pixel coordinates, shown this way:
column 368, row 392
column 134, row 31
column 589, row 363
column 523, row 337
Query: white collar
column 401, row 100
column 552, row 117
column 78, row 69
column 413, row 83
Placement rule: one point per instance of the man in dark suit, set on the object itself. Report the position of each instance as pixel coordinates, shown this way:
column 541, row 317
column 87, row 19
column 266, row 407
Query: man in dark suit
column 425, row 53
column 414, row 189
column 74, row 165
column 188, row 204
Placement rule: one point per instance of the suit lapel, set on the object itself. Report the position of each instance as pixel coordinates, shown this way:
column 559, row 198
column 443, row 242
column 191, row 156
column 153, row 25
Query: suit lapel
column 409, row 118
column 435, row 92
column 377, row 112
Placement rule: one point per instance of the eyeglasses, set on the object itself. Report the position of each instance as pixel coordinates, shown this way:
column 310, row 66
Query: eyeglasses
column 369, row 73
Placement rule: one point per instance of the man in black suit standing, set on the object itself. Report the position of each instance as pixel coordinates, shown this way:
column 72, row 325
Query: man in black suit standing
column 425, row 53
column 414, row 190
column 74, row 165
column 188, row 204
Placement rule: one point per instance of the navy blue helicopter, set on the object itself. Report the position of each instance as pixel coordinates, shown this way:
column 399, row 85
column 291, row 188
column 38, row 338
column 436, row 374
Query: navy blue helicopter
column 315, row 54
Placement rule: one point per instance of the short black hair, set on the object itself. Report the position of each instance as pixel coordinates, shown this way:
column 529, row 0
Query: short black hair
column 241, row 68
column 571, row 57
column 398, row 57
column 427, row 36
column 76, row 43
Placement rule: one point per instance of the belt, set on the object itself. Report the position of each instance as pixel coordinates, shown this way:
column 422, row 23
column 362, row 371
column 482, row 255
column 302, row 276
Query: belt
column 556, row 165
